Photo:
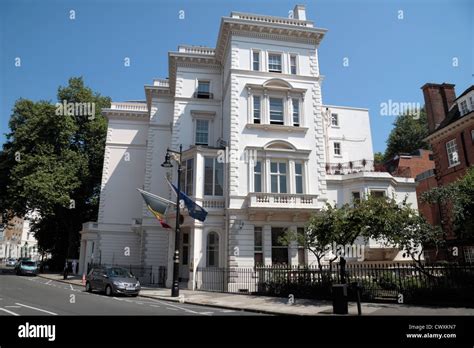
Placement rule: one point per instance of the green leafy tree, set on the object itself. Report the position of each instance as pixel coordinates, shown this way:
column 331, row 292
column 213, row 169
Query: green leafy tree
column 379, row 158
column 52, row 163
column 407, row 135
column 459, row 196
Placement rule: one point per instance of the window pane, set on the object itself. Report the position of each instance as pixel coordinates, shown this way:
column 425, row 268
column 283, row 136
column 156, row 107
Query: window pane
column 189, row 176
column 219, row 179
column 258, row 238
column 299, row 184
column 279, row 255
column 296, row 112
column 258, row 258
column 258, row 183
column 293, row 64
column 282, row 168
column 274, row 183
column 274, row 167
column 203, row 86
column 298, row 168
column 334, row 120
column 283, row 184
column 256, row 109
column 256, row 61
column 208, row 172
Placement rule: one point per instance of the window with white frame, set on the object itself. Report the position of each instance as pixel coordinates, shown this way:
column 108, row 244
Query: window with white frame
column 355, row 196
column 212, row 250
column 464, row 109
column 202, row 132
column 471, row 101
column 257, row 177
column 258, row 246
column 377, row 193
column 293, row 69
column 187, row 179
column 337, row 149
column 256, row 60
column 274, row 62
column 298, row 177
column 278, row 177
column 213, row 177
column 276, row 111
column 257, row 109
column 296, row 112
column 334, row 120
column 452, row 151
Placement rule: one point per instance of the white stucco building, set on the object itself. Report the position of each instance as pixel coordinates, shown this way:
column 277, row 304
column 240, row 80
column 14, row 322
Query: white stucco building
column 257, row 96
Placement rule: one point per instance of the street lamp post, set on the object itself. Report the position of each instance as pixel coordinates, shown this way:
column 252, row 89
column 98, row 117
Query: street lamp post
column 167, row 164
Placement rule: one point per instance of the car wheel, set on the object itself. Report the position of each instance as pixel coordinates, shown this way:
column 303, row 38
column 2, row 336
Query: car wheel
column 134, row 295
column 88, row 287
column 108, row 290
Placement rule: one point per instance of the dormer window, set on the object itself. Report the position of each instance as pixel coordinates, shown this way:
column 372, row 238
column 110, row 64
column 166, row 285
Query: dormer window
column 204, row 90
column 274, row 62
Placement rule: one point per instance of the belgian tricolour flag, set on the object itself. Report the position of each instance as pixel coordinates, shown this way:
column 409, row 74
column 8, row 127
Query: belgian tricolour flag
column 157, row 205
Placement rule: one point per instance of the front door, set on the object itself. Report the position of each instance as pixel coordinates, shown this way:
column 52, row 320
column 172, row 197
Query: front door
column 184, row 253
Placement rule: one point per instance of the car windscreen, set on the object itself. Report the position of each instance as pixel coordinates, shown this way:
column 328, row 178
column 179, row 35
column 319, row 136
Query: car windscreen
column 28, row 263
column 118, row 272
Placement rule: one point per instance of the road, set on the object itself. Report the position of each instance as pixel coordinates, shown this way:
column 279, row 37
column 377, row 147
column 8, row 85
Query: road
column 21, row 295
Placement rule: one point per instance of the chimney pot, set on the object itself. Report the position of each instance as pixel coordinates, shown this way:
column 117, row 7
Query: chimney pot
column 299, row 12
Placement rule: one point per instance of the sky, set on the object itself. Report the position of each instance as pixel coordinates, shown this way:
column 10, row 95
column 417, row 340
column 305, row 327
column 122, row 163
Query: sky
column 374, row 52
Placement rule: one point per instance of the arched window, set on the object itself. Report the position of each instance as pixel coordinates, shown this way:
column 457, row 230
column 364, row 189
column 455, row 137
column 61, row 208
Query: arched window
column 212, row 259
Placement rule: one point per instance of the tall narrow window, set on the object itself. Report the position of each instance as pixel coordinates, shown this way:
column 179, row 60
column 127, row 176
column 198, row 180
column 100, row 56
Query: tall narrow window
column 278, row 177
column 274, row 62
column 464, row 109
column 334, row 120
column 202, row 132
column 355, row 196
column 256, row 109
column 187, row 179
column 185, row 247
column 337, row 149
column 257, row 175
column 212, row 259
column 279, row 249
column 299, row 177
column 256, row 60
column 452, row 151
column 213, row 177
column 296, row 112
column 471, row 100
column 293, row 64
column 258, row 246
column 276, row 111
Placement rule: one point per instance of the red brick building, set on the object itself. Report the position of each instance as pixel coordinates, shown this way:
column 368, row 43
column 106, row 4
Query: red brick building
column 451, row 135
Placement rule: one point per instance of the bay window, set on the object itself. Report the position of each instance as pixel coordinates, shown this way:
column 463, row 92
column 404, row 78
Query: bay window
column 257, row 175
column 299, row 177
column 187, row 178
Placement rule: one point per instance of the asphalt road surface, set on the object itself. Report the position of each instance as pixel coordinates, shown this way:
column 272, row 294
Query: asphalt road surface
column 22, row 295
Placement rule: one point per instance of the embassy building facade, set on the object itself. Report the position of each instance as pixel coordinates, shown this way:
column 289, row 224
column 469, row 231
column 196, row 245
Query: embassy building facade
column 261, row 153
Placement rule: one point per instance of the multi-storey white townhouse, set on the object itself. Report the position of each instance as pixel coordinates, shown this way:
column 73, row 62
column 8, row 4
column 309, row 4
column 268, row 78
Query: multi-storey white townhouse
column 261, row 153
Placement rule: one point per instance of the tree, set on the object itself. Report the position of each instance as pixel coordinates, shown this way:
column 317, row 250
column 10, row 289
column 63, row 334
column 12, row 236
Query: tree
column 52, row 163
column 459, row 196
column 379, row 218
column 408, row 134
column 379, row 158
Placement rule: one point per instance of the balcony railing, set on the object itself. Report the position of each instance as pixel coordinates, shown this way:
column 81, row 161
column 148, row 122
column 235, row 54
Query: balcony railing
column 213, row 203
column 161, row 82
column 281, row 200
column 351, row 167
column 203, row 95
column 197, row 50
column 129, row 106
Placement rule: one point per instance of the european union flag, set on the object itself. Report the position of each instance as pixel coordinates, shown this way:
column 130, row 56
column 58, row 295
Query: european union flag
column 194, row 210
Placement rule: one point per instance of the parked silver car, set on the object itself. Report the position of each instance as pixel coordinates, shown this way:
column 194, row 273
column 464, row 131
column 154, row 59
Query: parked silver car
column 10, row 262
column 112, row 280
column 26, row 267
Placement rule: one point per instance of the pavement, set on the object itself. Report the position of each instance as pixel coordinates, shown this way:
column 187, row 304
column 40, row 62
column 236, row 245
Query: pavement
column 275, row 305
column 46, row 296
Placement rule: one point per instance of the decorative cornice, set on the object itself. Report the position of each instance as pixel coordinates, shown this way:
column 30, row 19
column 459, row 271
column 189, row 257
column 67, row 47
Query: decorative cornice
column 452, row 127
column 125, row 114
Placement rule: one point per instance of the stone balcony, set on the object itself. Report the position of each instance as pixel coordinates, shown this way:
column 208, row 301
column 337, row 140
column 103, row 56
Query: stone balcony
column 282, row 200
column 196, row 50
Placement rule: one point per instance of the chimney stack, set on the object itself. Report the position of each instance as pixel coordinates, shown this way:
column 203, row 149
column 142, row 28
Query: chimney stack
column 438, row 100
column 299, row 12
